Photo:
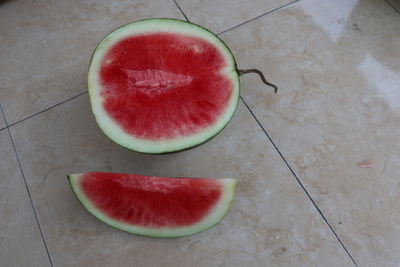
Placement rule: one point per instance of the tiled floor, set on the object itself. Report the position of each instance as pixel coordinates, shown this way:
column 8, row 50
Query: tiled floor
column 317, row 164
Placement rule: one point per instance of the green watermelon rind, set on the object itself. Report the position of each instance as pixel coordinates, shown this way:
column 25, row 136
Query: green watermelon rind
column 115, row 132
column 217, row 213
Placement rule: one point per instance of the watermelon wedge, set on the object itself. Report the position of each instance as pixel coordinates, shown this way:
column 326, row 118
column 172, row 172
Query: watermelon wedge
column 162, row 85
column 154, row 206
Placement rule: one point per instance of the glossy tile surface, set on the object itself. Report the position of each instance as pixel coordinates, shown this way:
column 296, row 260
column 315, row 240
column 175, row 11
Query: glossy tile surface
column 46, row 46
column 220, row 15
column 20, row 240
column 271, row 219
column 336, row 117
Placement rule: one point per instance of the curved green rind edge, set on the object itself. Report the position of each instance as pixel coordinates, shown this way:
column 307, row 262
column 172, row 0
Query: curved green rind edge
column 154, row 150
column 212, row 219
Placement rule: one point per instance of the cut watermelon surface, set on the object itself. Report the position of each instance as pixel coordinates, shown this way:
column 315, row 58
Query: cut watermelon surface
column 162, row 85
column 154, row 206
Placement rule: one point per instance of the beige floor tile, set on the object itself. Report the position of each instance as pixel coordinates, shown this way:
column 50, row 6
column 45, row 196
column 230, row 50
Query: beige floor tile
column 271, row 219
column 219, row 15
column 336, row 117
column 20, row 241
column 45, row 47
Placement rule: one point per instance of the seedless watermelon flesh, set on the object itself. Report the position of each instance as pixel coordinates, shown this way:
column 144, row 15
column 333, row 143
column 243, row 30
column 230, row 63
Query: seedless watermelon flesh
column 154, row 206
column 162, row 85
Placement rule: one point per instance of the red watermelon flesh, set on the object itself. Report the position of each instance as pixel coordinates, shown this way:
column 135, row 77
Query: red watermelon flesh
column 160, row 205
column 172, row 79
column 192, row 197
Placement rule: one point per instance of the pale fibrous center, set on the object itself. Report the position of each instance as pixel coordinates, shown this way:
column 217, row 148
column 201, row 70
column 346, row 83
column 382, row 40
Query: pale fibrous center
column 152, row 81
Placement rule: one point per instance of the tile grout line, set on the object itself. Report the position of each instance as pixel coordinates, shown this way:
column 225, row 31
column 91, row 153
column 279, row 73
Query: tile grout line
column 390, row 4
column 245, row 22
column 259, row 16
column 273, row 143
column 27, row 189
column 299, row 182
column 44, row 110
column 180, row 9
column 270, row 139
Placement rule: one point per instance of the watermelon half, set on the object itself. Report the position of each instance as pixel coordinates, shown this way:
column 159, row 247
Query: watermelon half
column 154, row 206
column 162, row 85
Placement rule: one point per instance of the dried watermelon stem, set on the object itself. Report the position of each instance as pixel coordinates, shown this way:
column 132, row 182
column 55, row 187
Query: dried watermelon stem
column 241, row 72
